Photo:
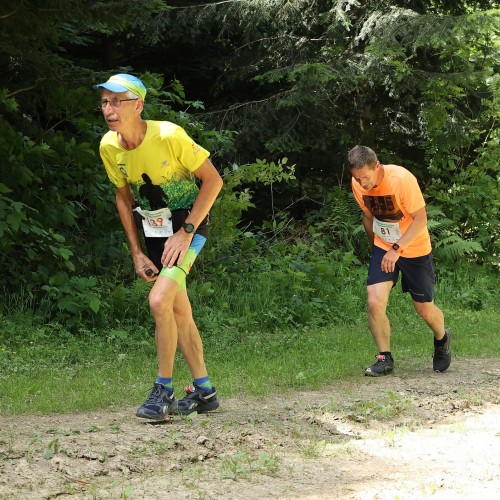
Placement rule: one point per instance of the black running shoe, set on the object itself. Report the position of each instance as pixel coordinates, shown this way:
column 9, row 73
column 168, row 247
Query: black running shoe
column 197, row 400
column 441, row 359
column 383, row 366
column 159, row 405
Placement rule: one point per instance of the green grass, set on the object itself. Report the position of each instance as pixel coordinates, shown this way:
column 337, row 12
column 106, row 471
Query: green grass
column 45, row 370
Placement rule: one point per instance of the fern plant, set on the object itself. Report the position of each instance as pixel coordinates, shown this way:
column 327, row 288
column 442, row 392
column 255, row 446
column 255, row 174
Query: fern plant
column 448, row 245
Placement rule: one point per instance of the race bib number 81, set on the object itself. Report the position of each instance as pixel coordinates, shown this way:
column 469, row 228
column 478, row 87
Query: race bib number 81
column 157, row 223
column 388, row 231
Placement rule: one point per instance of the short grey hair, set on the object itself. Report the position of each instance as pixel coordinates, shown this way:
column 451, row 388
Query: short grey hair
column 131, row 95
column 359, row 156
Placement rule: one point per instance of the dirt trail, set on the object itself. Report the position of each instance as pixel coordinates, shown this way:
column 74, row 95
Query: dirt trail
column 413, row 435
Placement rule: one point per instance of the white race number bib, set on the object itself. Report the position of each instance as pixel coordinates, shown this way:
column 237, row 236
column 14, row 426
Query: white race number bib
column 388, row 231
column 156, row 223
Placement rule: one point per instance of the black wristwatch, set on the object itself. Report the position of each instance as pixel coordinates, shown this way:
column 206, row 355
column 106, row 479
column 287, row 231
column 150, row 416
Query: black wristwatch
column 396, row 247
column 188, row 227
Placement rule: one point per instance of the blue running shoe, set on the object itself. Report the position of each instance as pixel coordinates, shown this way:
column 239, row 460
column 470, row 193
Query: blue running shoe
column 197, row 400
column 158, row 406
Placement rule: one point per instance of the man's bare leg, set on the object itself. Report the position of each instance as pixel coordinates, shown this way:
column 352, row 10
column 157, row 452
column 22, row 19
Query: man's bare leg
column 202, row 396
column 433, row 316
column 161, row 402
column 189, row 339
column 378, row 296
column 161, row 303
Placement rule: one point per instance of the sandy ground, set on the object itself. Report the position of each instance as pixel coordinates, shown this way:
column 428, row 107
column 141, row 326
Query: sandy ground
column 415, row 434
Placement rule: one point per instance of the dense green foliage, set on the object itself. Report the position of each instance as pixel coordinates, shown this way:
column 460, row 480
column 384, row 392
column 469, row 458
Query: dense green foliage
column 278, row 91
column 416, row 80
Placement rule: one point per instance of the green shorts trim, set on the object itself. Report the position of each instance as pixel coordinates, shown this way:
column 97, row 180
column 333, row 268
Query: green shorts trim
column 179, row 273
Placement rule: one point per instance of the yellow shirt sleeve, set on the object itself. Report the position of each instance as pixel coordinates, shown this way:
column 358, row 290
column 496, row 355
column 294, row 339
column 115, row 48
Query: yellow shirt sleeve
column 189, row 154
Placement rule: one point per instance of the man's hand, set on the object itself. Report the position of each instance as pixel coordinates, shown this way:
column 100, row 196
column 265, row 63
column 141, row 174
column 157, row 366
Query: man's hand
column 175, row 248
column 389, row 261
column 144, row 268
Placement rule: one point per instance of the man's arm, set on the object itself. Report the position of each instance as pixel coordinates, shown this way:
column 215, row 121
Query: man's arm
column 124, row 201
column 419, row 222
column 211, row 184
column 368, row 225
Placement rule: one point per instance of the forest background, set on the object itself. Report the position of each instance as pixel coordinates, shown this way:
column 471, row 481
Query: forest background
column 278, row 91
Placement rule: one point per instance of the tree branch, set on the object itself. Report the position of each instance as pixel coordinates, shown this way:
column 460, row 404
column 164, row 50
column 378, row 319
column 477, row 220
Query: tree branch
column 20, row 90
column 197, row 6
column 244, row 104
column 4, row 16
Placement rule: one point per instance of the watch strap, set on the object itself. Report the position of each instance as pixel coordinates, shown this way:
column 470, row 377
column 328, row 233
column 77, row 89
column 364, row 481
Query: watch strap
column 397, row 248
column 188, row 227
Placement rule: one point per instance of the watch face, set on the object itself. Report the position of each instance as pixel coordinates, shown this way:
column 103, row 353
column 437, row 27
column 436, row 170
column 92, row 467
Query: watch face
column 189, row 228
column 395, row 246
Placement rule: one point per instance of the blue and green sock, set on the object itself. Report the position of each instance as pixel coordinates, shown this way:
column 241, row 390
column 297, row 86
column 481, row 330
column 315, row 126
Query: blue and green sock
column 167, row 382
column 204, row 383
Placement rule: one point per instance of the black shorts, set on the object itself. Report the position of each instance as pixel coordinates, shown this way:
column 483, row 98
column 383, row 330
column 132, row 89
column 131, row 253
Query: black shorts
column 155, row 246
column 417, row 274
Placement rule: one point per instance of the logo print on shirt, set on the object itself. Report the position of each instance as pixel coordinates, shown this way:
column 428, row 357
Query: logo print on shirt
column 384, row 208
column 196, row 148
column 165, row 163
column 153, row 193
column 121, row 166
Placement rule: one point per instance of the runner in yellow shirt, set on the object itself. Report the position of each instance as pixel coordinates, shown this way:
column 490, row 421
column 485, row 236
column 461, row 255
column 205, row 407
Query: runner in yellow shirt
column 395, row 221
column 154, row 167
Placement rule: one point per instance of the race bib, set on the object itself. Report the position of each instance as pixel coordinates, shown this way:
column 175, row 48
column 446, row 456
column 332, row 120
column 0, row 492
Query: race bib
column 388, row 231
column 156, row 223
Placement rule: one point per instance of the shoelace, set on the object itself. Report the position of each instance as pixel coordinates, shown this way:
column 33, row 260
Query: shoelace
column 155, row 396
column 440, row 351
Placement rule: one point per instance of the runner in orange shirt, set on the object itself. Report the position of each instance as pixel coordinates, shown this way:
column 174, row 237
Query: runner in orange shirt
column 395, row 221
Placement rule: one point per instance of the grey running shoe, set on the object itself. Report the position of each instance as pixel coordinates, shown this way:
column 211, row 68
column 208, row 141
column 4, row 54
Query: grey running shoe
column 159, row 405
column 197, row 400
column 383, row 366
column 441, row 359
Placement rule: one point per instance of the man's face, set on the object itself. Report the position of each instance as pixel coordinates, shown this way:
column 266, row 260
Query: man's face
column 118, row 118
column 367, row 176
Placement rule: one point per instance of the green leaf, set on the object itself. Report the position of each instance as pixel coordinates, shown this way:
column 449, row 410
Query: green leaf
column 95, row 304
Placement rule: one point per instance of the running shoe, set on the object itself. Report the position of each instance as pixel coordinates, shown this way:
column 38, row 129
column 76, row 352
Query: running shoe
column 383, row 366
column 441, row 359
column 197, row 399
column 159, row 404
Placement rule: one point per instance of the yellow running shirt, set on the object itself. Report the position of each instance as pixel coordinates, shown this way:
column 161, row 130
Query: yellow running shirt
column 391, row 202
column 160, row 170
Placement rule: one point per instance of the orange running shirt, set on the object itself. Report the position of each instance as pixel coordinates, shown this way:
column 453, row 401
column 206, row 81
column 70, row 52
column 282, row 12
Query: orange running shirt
column 393, row 200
